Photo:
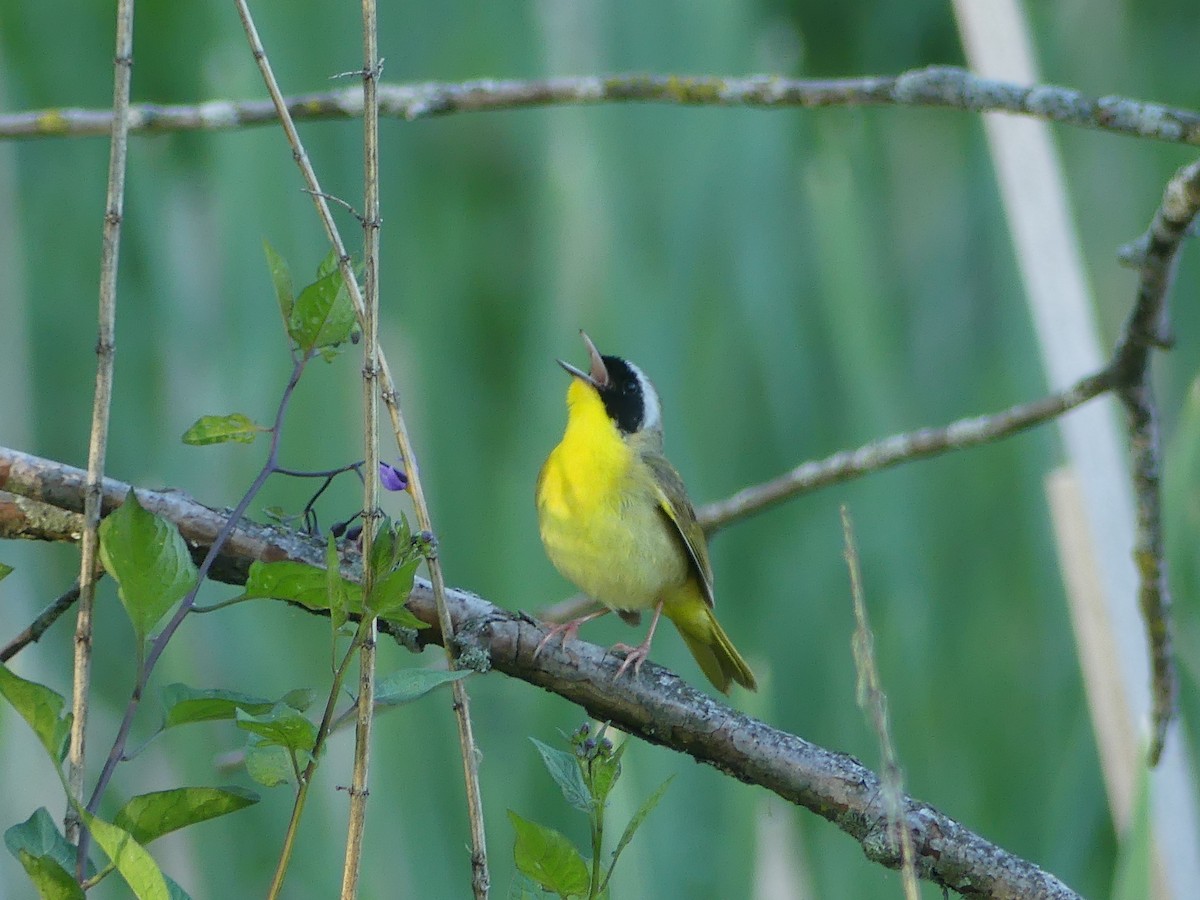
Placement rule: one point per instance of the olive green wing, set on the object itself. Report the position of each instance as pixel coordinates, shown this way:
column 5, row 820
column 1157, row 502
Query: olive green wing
column 673, row 499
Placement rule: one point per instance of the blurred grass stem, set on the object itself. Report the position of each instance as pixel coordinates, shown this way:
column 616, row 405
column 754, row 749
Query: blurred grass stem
column 873, row 701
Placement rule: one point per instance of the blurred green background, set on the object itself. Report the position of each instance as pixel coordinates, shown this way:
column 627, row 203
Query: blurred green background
column 796, row 282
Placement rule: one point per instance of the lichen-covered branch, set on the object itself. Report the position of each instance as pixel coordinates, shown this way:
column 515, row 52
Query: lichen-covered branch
column 936, row 86
column 656, row 706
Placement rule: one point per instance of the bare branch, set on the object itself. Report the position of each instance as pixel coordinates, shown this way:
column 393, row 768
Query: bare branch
column 368, row 628
column 1154, row 255
column 656, row 706
column 899, row 448
column 41, row 624
column 937, row 86
column 106, row 347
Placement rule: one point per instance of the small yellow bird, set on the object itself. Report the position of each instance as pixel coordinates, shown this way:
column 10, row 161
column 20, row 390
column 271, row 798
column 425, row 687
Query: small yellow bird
column 616, row 520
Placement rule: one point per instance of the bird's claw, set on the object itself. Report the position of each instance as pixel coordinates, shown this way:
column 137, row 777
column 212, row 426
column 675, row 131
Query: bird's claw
column 567, row 631
column 634, row 656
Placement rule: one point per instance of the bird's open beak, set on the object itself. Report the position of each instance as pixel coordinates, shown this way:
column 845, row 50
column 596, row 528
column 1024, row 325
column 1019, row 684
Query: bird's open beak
column 598, row 376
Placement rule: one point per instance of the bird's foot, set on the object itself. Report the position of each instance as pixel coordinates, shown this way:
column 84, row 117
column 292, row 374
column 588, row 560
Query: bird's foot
column 634, row 656
column 566, row 631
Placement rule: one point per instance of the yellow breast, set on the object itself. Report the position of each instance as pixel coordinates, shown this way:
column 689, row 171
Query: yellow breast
column 599, row 518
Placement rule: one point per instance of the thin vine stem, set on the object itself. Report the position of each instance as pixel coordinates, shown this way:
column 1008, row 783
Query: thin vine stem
column 159, row 644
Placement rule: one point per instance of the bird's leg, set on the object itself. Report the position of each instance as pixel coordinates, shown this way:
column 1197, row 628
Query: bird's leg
column 635, row 656
column 566, row 631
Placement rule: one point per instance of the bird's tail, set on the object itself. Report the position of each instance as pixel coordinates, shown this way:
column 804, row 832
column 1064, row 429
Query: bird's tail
column 709, row 643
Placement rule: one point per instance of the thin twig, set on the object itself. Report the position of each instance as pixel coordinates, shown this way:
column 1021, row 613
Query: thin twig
column 101, row 405
column 873, row 701
column 1155, row 256
column 480, row 879
column 38, row 626
column 342, row 203
column 937, row 86
column 657, row 706
column 368, row 626
column 899, row 448
column 321, row 473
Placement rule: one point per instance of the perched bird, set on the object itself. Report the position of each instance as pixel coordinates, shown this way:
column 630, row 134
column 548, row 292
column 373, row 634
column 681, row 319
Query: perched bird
column 616, row 520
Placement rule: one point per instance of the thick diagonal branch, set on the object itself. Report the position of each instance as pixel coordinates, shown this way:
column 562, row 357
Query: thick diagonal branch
column 657, row 706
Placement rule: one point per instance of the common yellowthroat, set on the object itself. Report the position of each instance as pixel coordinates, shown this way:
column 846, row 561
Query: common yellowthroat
column 616, row 520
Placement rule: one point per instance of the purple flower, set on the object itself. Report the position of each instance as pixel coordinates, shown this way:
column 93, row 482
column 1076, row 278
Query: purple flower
column 392, row 478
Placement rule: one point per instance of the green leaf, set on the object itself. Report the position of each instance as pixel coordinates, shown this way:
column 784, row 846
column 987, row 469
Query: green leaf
column 564, row 769
column 329, row 264
column 605, row 772
column 281, row 278
column 268, row 764
column 149, row 560
column 391, row 592
column 308, row 586
column 522, row 887
column 222, row 429
column 52, row 881
column 322, row 315
column 149, row 816
column 299, row 699
column 282, row 726
column 546, row 856
column 296, row 581
column 400, row 528
column 636, row 822
column 5, row 571
column 405, row 619
column 404, row 685
column 386, row 550
column 183, row 704
column 38, row 836
column 41, row 708
column 136, row 866
column 335, row 586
